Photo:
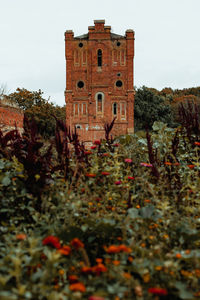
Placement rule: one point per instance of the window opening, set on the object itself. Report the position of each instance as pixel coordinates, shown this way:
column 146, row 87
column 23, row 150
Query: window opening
column 114, row 109
column 118, row 44
column 80, row 84
column 99, row 103
column 99, row 58
column 80, row 45
column 119, row 83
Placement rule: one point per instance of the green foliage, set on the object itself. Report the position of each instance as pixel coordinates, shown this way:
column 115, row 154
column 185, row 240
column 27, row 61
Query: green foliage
column 43, row 111
column 150, row 107
column 138, row 234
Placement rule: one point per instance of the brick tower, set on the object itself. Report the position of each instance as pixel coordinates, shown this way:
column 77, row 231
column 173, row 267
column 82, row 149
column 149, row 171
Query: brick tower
column 99, row 81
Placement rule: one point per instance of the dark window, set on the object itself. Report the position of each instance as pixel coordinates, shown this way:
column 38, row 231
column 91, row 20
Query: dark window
column 114, row 109
column 119, row 83
column 80, row 45
column 118, row 44
column 118, row 74
column 80, row 84
column 99, row 103
column 99, row 58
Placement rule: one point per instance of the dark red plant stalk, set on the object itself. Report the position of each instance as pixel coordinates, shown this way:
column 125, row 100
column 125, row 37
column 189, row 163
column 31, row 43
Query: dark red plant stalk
column 152, row 155
column 108, row 127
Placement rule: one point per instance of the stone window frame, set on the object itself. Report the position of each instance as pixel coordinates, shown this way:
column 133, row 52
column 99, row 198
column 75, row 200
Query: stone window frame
column 119, row 87
column 99, row 66
column 103, row 99
column 123, row 61
column 74, row 109
column 84, row 103
column 80, row 89
column 123, row 117
column 76, row 62
column 113, row 114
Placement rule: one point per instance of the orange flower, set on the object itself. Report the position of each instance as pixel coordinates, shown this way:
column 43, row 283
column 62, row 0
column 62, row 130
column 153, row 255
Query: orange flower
column 130, row 258
column 147, row 200
column 127, row 275
column 99, row 260
column 61, row 272
column 90, row 175
column 77, row 287
column 197, row 143
column 124, row 248
column 116, row 262
column 65, row 250
column 21, row 236
column 167, row 163
column 176, row 164
column 76, row 243
column 191, row 166
column 100, row 268
column 113, row 249
column 178, row 255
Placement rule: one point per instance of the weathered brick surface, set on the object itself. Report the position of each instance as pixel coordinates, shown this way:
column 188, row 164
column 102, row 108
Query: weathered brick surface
column 10, row 117
column 99, row 72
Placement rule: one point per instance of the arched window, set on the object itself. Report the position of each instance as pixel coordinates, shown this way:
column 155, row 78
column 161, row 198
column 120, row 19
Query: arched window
column 99, row 58
column 99, row 103
column 114, row 109
column 99, row 97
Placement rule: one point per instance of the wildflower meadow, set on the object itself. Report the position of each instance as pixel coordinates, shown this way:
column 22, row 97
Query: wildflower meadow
column 117, row 220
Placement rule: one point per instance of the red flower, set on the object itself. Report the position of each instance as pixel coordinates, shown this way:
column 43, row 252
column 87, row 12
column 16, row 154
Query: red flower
column 97, row 142
column 93, row 147
column 146, row 165
column 116, row 145
column 197, row 143
column 128, row 160
column 90, row 175
column 76, row 243
column 98, row 269
column 95, row 298
column 118, row 182
column 131, row 177
column 52, row 241
column 158, row 291
column 86, row 270
column 87, row 152
column 105, row 173
column 191, row 166
column 105, row 154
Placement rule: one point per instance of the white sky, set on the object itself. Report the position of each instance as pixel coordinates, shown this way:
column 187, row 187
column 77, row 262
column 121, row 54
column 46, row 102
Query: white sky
column 167, row 40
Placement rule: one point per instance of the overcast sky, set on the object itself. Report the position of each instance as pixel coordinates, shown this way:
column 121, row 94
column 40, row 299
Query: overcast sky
column 167, row 40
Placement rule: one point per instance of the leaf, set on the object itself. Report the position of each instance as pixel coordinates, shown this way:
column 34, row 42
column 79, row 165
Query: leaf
column 133, row 213
column 147, row 211
column 6, row 181
column 183, row 292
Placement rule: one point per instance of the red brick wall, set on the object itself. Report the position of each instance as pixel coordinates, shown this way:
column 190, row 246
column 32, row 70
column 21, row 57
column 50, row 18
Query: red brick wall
column 82, row 103
column 9, row 116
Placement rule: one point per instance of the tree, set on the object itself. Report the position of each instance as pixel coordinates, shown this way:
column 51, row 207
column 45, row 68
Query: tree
column 150, row 107
column 37, row 108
